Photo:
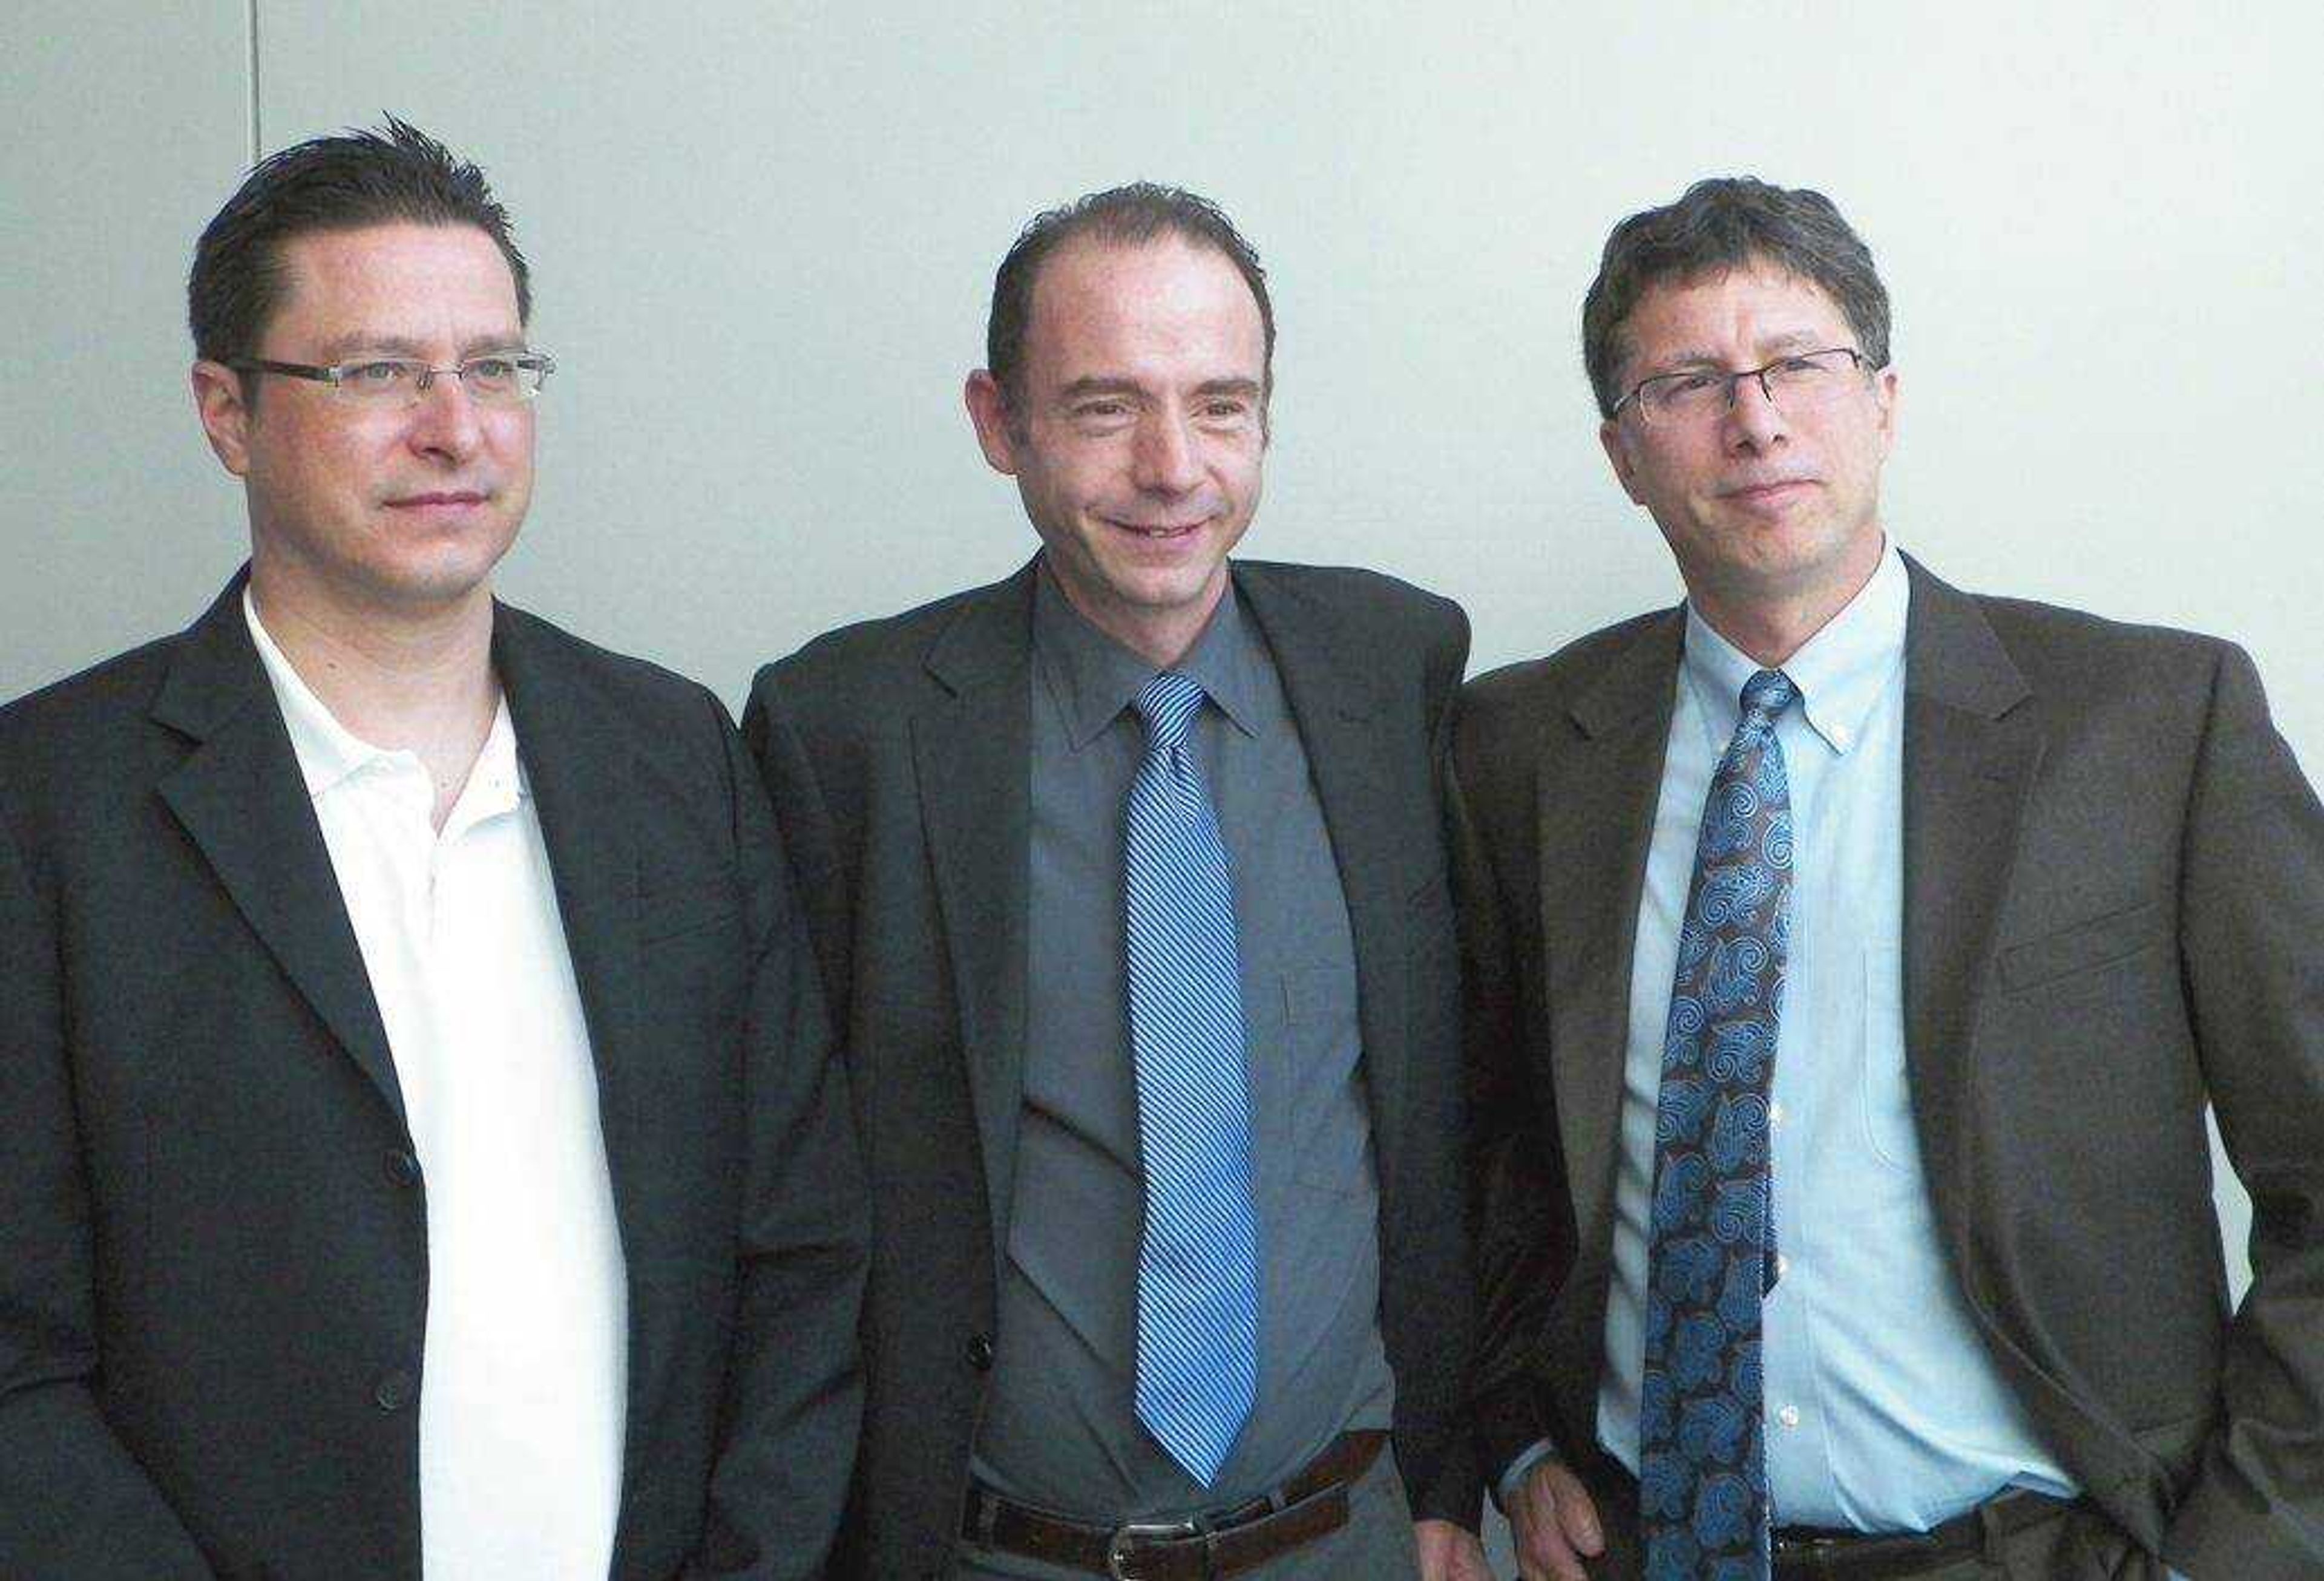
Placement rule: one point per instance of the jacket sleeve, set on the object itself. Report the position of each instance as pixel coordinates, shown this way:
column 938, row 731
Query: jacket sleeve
column 73, row 1501
column 1434, row 1447
column 2252, row 917
column 795, row 1394
column 1516, row 1175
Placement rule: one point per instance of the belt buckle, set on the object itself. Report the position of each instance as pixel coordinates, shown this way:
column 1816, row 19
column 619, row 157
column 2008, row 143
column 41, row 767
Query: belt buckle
column 1808, row 1548
column 1117, row 1546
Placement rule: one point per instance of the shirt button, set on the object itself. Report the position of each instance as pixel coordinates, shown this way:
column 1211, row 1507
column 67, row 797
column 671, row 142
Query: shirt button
column 1775, row 1114
column 402, row 1168
column 1783, row 1266
column 979, row 1351
column 395, row 1390
column 1789, row 1416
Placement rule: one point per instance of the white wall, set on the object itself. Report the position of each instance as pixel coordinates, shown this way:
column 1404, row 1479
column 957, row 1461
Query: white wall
column 763, row 237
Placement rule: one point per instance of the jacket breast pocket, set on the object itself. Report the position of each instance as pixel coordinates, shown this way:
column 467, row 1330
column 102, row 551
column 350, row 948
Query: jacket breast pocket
column 2085, row 946
column 687, row 909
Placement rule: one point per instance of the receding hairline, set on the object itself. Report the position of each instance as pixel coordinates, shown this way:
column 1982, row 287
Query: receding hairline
column 289, row 276
column 1073, row 247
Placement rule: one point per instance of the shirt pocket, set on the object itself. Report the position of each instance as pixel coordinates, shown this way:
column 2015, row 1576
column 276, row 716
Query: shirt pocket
column 1885, row 1088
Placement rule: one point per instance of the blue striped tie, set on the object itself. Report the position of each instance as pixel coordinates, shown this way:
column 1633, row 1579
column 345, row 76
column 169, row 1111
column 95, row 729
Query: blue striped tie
column 1198, row 1257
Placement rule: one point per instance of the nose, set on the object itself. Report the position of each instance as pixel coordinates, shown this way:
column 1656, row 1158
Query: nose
column 1753, row 422
column 1165, row 460
column 445, row 420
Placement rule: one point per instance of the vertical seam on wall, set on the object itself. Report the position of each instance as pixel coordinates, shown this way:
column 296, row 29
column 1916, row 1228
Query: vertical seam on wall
column 252, row 32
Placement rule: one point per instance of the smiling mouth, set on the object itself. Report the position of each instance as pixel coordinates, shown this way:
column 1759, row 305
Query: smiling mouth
column 1160, row 533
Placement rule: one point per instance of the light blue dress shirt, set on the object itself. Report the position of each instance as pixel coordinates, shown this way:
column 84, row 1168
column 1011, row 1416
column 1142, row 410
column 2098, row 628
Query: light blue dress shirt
column 1883, row 1410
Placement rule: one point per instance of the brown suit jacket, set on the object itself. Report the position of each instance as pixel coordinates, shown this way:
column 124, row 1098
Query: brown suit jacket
column 2114, row 895
column 898, row 753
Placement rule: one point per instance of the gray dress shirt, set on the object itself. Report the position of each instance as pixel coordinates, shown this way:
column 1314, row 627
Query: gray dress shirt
column 1060, row 1430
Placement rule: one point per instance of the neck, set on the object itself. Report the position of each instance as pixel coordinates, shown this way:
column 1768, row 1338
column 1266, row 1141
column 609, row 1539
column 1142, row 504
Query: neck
column 1770, row 626
column 1161, row 637
column 415, row 679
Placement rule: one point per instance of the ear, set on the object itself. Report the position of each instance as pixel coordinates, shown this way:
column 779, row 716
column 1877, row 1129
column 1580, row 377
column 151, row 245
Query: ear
column 988, row 409
column 1616, row 445
column 225, row 414
column 1885, row 393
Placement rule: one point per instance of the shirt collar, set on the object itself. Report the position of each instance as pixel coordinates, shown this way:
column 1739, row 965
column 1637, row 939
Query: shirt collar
column 329, row 754
column 1093, row 678
column 1840, row 671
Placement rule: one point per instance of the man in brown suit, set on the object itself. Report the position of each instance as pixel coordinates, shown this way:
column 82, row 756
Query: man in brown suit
column 2043, row 885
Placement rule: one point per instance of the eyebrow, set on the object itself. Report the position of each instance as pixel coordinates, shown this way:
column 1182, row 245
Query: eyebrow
column 1775, row 344
column 1095, row 385
column 340, row 346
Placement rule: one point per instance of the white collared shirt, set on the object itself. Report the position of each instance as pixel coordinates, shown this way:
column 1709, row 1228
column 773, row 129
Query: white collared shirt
column 525, row 1376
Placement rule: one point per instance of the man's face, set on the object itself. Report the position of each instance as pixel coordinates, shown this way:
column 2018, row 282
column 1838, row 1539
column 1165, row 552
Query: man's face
column 381, row 509
column 1137, row 439
column 1762, row 506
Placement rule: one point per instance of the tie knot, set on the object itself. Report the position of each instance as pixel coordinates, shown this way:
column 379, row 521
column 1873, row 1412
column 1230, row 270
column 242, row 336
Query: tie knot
column 1768, row 693
column 1168, row 703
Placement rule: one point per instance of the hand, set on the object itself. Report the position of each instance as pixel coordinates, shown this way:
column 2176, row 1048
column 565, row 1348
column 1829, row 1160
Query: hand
column 1554, row 1525
column 1449, row 1552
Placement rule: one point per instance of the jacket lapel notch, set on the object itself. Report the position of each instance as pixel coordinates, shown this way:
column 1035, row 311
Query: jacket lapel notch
column 972, row 753
column 1595, row 822
column 1333, row 701
column 582, row 775
column 1971, row 753
column 242, row 799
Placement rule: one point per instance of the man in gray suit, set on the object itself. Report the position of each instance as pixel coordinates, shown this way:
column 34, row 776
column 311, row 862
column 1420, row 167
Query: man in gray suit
column 1854, row 958
column 1127, row 878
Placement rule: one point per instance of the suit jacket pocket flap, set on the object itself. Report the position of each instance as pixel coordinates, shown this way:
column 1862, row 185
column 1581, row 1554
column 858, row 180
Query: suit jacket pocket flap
column 2095, row 943
column 669, row 913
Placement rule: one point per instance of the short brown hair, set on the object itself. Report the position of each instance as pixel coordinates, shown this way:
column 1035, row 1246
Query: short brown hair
column 1730, row 222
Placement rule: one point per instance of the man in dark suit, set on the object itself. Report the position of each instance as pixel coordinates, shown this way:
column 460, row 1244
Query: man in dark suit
column 423, row 1152
column 1854, row 957
column 1130, row 895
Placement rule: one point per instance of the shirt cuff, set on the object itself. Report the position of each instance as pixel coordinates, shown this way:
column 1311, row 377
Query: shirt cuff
column 1531, row 1456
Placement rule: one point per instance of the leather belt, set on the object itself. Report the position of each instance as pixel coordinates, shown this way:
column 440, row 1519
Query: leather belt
column 1195, row 1548
column 1803, row 1551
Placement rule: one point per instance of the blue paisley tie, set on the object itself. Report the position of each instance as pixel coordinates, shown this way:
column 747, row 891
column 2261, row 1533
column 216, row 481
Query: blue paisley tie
column 1702, row 1476
column 1198, row 1255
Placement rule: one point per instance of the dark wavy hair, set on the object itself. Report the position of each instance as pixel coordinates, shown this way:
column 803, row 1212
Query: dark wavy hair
column 1729, row 222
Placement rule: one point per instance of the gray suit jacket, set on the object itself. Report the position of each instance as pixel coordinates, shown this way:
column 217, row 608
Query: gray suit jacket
column 214, row 1274
column 898, row 753
column 2113, row 894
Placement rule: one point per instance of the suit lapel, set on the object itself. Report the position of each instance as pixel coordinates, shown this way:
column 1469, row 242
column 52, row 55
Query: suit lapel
column 973, row 753
column 1597, row 802
column 241, row 798
column 1336, row 706
column 1971, row 753
column 581, row 774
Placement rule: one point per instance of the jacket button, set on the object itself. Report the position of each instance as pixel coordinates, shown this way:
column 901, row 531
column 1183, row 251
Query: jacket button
column 979, row 1351
column 395, row 1390
column 402, row 1168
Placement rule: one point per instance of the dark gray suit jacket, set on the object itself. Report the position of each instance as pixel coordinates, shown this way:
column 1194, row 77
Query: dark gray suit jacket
column 2114, row 895
column 900, row 755
column 213, row 1247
